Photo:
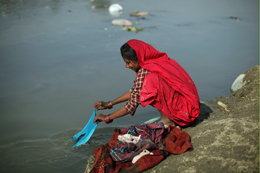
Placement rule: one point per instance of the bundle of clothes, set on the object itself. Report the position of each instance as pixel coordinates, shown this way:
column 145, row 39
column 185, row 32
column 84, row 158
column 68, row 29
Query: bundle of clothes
column 140, row 147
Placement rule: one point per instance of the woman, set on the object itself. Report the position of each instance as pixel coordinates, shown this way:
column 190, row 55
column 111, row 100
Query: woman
column 160, row 82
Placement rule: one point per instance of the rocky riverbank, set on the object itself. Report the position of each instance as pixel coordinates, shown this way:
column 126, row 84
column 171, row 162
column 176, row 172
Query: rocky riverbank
column 225, row 137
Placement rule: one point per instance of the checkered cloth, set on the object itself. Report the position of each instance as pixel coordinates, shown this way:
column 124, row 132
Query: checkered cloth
column 134, row 100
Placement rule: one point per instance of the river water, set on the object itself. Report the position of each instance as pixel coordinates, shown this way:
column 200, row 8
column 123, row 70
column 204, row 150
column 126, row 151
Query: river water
column 59, row 56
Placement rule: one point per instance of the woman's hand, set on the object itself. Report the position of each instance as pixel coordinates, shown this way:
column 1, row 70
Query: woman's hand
column 100, row 105
column 99, row 117
column 109, row 118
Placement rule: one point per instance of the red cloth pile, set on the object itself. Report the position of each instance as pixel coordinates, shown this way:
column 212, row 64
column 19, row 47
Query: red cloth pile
column 174, row 141
column 141, row 137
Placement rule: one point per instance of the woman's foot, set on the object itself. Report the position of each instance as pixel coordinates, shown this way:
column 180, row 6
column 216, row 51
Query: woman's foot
column 165, row 120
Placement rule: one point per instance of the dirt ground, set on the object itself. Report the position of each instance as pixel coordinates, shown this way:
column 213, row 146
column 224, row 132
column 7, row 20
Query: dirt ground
column 225, row 137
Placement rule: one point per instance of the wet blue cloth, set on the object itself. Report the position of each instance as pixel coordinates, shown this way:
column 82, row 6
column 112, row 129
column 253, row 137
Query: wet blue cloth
column 87, row 131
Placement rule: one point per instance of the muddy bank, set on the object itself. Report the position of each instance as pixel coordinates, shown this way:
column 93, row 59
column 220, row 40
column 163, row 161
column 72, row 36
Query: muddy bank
column 225, row 139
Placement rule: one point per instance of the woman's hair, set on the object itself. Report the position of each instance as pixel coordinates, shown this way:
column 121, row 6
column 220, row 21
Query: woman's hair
column 128, row 53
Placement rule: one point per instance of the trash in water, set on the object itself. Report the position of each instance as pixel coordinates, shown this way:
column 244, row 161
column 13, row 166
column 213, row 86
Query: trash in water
column 115, row 9
column 121, row 22
column 235, row 18
column 133, row 29
column 139, row 13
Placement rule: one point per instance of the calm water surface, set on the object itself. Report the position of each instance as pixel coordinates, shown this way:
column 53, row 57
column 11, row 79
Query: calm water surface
column 58, row 57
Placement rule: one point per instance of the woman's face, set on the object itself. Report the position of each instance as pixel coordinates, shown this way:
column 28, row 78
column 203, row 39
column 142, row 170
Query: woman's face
column 133, row 65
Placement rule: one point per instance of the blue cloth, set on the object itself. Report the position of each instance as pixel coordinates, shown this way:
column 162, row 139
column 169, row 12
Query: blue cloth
column 87, row 131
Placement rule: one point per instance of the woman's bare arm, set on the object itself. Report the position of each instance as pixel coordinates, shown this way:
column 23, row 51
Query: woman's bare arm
column 119, row 113
column 104, row 105
column 122, row 98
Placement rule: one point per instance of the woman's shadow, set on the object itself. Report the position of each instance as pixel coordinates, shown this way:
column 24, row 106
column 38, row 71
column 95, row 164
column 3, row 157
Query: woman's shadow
column 205, row 111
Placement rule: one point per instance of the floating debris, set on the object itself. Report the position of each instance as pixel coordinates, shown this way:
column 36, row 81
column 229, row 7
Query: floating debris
column 121, row 22
column 98, row 6
column 133, row 29
column 139, row 13
column 115, row 9
column 235, row 18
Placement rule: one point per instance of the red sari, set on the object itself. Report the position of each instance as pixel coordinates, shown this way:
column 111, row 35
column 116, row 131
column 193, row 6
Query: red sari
column 169, row 88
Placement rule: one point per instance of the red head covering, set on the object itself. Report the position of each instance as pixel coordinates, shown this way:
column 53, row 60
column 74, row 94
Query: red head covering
column 159, row 63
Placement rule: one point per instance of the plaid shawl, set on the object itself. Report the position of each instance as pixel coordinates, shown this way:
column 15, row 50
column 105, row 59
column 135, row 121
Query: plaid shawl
column 174, row 141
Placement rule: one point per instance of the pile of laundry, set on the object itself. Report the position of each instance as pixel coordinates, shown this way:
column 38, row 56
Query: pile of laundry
column 140, row 147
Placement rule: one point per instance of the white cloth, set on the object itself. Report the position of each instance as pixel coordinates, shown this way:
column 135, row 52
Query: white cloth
column 129, row 138
column 143, row 153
